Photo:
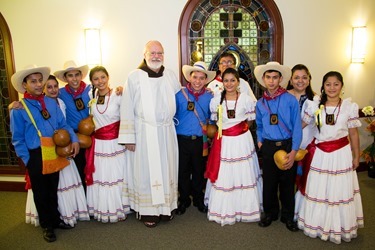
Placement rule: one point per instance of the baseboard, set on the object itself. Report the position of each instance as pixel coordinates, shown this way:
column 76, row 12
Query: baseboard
column 14, row 186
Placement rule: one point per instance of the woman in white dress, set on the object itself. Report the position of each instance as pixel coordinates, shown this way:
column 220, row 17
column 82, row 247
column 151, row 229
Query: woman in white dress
column 70, row 193
column 234, row 178
column 332, row 207
column 106, row 158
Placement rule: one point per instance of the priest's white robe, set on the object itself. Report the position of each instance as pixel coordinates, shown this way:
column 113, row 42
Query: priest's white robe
column 147, row 111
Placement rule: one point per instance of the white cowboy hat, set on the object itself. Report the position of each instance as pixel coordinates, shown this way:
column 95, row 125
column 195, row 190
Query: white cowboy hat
column 198, row 66
column 285, row 71
column 18, row 77
column 69, row 66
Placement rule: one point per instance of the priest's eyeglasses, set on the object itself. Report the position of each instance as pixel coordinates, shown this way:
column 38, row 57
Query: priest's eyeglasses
column 155, row 53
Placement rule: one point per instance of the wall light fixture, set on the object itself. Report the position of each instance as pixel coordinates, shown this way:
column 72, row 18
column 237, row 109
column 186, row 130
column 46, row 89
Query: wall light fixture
column 93, row 47
column 359, row 40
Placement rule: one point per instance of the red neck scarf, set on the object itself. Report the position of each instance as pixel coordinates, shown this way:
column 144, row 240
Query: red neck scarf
column 218, row 78
column 195, row 94
column 80, row 90
column 278, row 92
column 39, row 98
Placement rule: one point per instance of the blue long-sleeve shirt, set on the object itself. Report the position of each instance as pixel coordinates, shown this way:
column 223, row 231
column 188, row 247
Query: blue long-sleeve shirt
column 24, row 133
column 287, row 109
column 187, row 122
column 73, row 115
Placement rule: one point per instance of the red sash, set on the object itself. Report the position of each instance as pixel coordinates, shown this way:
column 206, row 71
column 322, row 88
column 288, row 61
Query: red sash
column 108, row 132
column 213, row 162
column 328, row 147
column 28, row 181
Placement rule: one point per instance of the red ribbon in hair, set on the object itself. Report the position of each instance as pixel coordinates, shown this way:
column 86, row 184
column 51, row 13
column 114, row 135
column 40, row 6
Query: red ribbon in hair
column 108, row 132
column 213, row 162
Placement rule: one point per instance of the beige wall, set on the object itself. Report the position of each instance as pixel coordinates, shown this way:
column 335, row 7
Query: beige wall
column 317, row 33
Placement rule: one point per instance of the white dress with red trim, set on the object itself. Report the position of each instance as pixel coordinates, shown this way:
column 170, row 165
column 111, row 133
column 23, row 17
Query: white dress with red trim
column 332, row 208
column 236, row 195
column 105, row 197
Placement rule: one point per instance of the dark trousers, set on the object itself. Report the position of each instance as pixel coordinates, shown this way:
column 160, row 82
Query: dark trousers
column 276, row 181
column 191, row 169
column 80, row 161
column 44, row 189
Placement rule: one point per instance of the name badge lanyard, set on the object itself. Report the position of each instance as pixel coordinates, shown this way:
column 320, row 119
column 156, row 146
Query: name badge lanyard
column 191, row 107
column 274, row 118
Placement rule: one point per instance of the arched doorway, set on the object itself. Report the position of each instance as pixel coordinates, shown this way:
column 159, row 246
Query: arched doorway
column 10, row 164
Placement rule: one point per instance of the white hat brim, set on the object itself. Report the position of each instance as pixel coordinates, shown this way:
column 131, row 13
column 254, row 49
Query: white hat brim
column 60, row 73
column 285, row 71
column 18, row 77
column 187, row 70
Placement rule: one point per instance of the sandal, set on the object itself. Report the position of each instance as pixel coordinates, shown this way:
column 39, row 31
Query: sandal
column 166, row 217
column 150, row 224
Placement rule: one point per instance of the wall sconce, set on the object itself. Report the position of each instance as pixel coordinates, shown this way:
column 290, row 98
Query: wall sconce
column 93, row 47
column 359, row 40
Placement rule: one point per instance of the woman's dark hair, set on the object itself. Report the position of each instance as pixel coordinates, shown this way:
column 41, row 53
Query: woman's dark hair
column 93, row 71
column 309, row 92
column 236, row 75
column 97, row 69
column 323, row 95
column 52, row 77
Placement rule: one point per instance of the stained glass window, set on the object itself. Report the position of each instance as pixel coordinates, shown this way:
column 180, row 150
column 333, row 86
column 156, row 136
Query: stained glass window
column 7, row 153
column 241, row 27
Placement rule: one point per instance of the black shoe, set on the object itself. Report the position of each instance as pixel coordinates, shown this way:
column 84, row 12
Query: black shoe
column 49, row 235
column 265, row 222
column 182, row 208
column 63, row 225
column 292, row 226
column 201, row 207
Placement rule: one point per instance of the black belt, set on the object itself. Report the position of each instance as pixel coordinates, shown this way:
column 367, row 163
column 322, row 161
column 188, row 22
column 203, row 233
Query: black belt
column 278, row 143
column 190, row 137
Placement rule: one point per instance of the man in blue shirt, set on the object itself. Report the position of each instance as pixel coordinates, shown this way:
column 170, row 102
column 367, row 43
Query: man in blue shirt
column 48, row 118
column 192, row 113
column 278, row 127
column 75, row 95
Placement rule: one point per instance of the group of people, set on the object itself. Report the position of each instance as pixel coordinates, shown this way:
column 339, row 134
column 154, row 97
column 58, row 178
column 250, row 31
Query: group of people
column 151, row 153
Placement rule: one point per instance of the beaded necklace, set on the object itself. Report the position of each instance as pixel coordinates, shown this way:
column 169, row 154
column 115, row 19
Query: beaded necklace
column 330, row 118
column 231, row 113
column 101, row 101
